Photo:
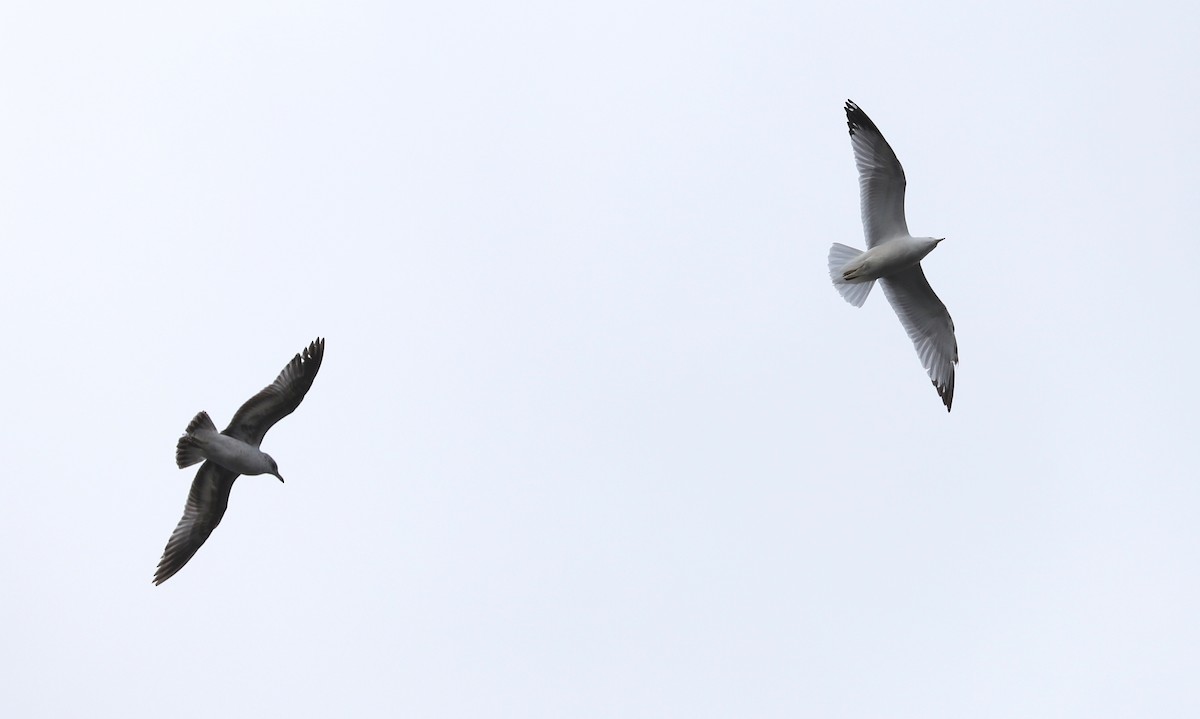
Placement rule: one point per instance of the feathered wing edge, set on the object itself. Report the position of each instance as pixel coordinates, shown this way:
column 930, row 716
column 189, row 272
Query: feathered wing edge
column 929, row 326
column 881, row 180
column 206, row 504
column 280, row 398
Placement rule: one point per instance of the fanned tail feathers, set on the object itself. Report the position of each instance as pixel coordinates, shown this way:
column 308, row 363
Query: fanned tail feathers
column 853, row 292
column 188, row 450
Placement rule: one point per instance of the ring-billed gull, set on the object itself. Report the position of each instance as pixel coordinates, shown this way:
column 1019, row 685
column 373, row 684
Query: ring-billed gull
column 893, row 256
column 231, row 453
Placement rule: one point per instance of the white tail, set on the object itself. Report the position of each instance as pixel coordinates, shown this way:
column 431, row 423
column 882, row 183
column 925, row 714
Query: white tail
column 854, row 292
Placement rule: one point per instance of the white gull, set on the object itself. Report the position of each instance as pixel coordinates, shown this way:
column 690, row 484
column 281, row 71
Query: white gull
column 231, row 453
column 893, row 256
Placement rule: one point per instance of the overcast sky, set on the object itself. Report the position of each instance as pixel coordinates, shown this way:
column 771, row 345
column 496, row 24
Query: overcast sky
column 594, row 435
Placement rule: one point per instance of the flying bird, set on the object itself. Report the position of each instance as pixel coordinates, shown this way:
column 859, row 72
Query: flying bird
column 893, row 256
column 231, row 453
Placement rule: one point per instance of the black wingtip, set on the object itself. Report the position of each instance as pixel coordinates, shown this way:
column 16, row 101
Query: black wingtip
column 315, row 350
column 946, row 393
column 163, row 573
column 310, row 358
column 857, row 119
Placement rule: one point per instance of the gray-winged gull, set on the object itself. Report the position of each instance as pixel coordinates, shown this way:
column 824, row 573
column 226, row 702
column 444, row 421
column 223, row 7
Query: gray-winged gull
column 893, row 256
column 231, row 453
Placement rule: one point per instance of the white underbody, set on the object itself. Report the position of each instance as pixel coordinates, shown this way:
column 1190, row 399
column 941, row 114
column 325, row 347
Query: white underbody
column 888, row 258
column 232, row 454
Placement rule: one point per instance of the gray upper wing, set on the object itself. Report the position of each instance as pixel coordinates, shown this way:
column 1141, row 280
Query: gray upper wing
column 880, row 179
column 928, row 324
column 278, row 399
column 205, row 507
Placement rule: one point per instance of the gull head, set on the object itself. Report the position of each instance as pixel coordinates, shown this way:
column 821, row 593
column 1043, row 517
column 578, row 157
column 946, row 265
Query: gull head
column 918, row 247
column 929, row 244
column 274, row 467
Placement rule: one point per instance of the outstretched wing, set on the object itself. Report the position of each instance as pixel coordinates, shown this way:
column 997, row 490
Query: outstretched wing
column 278, row 399
column 928, row 324
column 205, row 506
column 880, row 179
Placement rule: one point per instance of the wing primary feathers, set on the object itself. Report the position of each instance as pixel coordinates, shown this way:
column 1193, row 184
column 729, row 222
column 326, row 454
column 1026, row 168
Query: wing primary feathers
column 209, row 495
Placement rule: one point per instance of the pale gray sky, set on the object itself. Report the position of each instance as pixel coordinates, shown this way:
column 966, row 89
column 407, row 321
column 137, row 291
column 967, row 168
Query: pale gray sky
column 594, row 435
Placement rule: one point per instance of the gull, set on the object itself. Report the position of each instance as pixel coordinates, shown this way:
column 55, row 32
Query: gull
column 893, row 256
column 231, row 453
